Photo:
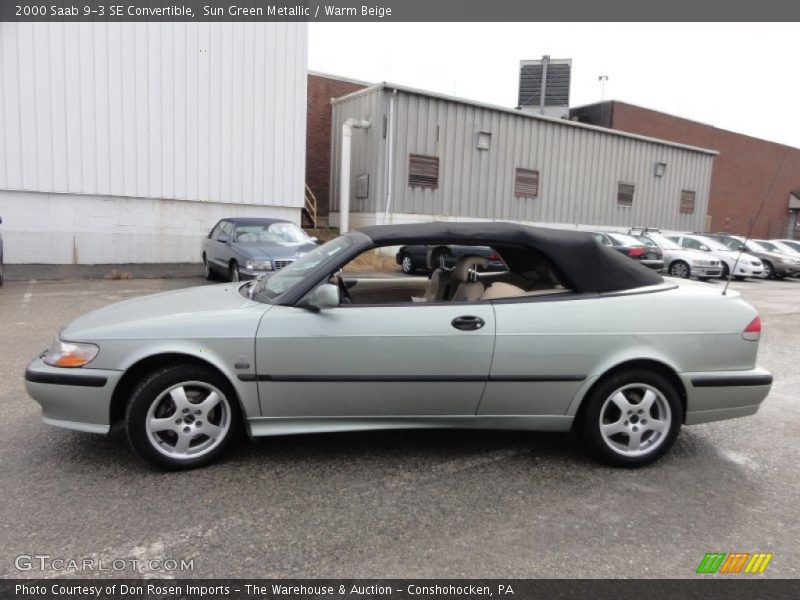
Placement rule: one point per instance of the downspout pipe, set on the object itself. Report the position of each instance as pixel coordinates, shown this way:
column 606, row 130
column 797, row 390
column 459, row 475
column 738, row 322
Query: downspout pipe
column 344, row 177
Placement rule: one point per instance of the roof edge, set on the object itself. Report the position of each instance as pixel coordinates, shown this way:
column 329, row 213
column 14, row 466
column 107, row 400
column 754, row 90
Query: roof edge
column 385, row 85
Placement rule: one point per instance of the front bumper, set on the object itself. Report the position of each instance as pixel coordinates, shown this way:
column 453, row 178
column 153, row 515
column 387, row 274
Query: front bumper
column 718, row 395
column 703, row 271
column 77, row 399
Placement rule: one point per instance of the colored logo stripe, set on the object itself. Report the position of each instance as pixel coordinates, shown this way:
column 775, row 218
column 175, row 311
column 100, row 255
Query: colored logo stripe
column 735, row 562
column 711, row 562
column 758, row 563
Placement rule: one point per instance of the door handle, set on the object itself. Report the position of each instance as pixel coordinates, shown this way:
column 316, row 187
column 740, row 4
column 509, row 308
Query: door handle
column 468, row 323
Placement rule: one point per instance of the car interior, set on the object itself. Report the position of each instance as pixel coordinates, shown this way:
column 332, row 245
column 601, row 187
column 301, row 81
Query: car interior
column 530, row 274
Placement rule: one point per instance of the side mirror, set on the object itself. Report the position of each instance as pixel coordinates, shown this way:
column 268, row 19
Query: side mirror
column 223, row 239
column 314, row 239
column 705, row 248
column 324, row 296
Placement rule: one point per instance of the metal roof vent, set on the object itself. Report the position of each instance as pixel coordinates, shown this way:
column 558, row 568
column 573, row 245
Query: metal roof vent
column 544, row 86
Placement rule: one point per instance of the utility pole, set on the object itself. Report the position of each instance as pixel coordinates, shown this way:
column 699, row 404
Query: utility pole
column 602, row 79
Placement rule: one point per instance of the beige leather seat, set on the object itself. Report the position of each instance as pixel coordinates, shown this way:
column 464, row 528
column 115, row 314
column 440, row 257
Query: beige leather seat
column 465, row 275
column 500, row 289
column 439, row 286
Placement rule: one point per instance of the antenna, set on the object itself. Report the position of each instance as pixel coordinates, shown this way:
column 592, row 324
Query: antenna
column 753, row 221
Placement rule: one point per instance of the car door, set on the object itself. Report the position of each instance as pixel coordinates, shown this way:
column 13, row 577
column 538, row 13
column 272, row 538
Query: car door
column 409, row 359
column 544, row 350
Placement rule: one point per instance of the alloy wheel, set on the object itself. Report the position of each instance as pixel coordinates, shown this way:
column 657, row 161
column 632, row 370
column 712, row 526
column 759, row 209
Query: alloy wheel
column 188, row 420
column 680, row 269
column 407, row 264
column 635, row 420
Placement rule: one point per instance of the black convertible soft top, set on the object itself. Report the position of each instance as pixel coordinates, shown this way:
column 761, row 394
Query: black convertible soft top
column 587, row 265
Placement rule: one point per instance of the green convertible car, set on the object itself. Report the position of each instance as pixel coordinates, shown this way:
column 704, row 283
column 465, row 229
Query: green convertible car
column 572, row 336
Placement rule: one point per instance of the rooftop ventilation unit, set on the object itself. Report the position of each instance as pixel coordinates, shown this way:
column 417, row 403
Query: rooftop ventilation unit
column 544, row 86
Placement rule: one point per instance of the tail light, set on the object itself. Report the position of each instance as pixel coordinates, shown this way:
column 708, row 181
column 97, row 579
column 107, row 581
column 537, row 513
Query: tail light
column 494, row 256
column 753, row 331
column 636, row 252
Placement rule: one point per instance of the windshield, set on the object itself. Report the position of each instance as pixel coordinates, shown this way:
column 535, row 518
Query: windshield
column 266, row 288
column 280, row 233
column 714, row 244
column 661, row 241
column 756, row 247
column 770, row 246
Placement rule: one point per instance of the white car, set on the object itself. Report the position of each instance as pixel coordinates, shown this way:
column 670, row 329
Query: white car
column 683, row 262
column 742, row 266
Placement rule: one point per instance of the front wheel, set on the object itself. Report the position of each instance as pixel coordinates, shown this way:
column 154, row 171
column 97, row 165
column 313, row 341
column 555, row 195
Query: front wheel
column 233, row 271
column 207, row 269
column 769, row 271
column 182, row 417
column 407, row 264
column 680, row 269
column 631, row 418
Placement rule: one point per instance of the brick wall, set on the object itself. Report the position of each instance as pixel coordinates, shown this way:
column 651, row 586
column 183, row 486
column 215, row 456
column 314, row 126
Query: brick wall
column 321, row 90
column 741, row 174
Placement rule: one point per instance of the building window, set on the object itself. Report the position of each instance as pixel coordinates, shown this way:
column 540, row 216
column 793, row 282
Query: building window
column 625, row 194
column 687, row 202
column 526, row 183
column 423, row 171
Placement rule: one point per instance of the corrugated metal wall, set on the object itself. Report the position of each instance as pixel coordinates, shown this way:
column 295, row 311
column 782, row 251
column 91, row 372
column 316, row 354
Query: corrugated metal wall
column 192, row 111
column 579, row 168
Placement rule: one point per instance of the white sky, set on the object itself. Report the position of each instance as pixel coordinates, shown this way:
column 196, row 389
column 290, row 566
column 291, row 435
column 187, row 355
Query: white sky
column 739, row 76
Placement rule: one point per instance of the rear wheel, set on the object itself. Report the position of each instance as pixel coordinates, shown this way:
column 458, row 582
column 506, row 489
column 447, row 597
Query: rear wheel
column 680, row 269
column 233, row 271
column 631, row 418
column 182, row 417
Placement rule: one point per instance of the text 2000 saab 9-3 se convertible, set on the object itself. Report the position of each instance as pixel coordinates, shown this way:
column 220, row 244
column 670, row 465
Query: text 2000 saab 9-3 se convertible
column 572, row 335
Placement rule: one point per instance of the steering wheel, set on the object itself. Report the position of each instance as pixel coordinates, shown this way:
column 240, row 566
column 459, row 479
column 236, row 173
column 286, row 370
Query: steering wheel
column 344, row 293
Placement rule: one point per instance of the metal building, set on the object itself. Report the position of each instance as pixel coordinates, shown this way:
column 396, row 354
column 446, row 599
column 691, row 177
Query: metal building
column 127, row 142
column 427, row 156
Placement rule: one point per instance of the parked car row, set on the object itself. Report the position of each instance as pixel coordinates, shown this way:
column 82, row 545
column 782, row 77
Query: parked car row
column 699, row 255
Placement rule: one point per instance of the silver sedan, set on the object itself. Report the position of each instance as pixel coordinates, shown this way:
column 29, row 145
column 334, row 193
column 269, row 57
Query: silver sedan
column 573, row 336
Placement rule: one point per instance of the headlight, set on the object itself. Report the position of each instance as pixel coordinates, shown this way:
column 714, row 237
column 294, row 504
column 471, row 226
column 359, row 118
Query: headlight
column 70, row 354
column 259, row 265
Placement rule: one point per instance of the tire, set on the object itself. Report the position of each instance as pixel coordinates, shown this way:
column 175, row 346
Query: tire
column 407, row 264
column 725, row 271
column 170, row 430
column 209, row 272
column 680, row 269
column 233, row 271
column 769, row 270
column 609, row 430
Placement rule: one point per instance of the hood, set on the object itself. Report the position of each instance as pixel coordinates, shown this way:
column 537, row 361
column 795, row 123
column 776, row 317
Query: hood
column 268, row 250
column 146, row 312
column 775, row 256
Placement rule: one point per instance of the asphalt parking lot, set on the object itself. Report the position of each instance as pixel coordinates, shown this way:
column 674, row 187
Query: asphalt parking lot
column 397, row 504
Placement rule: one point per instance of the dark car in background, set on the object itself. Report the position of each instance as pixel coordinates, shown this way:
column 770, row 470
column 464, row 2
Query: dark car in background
column 649, row 256
column 243, row 248
column 413, row 259
column 776, row 264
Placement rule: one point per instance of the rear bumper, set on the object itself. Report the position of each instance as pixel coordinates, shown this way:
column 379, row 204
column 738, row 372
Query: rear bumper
column 77, row 399
column 718, row 395
column 655, row 264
